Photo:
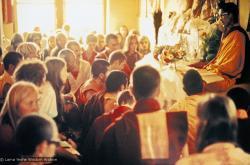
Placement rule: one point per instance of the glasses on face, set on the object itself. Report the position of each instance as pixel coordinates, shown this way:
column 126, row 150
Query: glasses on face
column 223, row 14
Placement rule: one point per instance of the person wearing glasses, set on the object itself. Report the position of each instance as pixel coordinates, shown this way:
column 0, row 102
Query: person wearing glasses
column 232, row 58
column 36, row 139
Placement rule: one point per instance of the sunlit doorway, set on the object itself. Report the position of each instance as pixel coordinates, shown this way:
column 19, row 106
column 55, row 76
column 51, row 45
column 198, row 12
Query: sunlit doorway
column 84, row 16
column 32, row 13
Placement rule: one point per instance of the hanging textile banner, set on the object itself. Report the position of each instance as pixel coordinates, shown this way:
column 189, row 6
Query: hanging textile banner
column 7, row 11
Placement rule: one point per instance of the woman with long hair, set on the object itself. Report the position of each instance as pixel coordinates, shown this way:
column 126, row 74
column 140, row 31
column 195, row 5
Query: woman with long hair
column 15, row 103
column 20, row 101
column 130, row 49
column 56, row 76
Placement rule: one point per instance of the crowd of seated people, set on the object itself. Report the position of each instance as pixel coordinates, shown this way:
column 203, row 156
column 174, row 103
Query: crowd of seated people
column 67, row 103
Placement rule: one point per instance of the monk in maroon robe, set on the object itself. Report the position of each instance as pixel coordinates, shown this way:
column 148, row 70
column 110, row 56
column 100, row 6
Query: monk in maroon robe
column 96, row 132
column 102, row 102
column 148, row 135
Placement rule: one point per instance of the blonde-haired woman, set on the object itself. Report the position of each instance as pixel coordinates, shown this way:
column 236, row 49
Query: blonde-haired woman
column 29, row 50
column 21, row 100
column 144, row 46
column 130, row 50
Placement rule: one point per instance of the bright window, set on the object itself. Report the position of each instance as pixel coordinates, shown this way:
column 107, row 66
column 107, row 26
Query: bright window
column 32, row 13
column 84, row 16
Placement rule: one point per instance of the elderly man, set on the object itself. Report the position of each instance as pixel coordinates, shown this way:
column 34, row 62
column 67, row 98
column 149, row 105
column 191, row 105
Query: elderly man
column 79, row 70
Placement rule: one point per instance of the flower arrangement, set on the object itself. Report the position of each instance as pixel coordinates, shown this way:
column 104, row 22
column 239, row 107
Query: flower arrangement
column 168, row 54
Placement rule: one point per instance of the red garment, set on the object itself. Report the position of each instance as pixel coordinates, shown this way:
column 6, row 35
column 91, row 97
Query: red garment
column 127, row 70
column 89, row 58
column 5, row 79
column 121, row 142
column 75, row 74
column 132, row 59
column 94, row 137
column 117, row 112
column 146, row 105
column 90, row 85
column 93, row 109
column 7, row 11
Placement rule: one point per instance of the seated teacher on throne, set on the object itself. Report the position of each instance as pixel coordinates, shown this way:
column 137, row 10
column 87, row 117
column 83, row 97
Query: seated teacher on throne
column 233, row 52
